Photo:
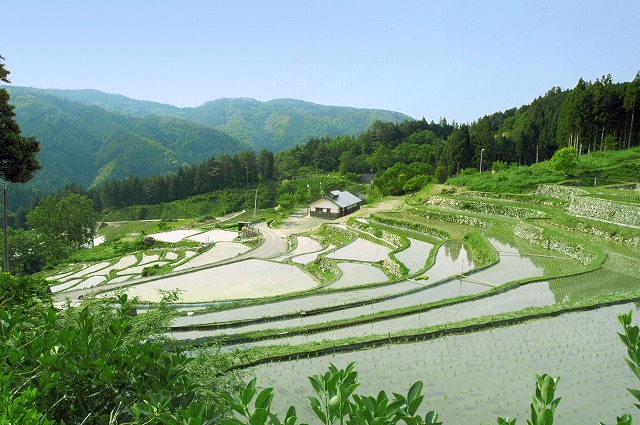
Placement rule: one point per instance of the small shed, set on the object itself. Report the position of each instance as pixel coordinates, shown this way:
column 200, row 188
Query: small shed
column 334, row 204
column 244, row 224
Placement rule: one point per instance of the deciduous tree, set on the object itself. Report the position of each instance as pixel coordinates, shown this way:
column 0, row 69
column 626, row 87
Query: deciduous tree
column 70, row 219
column 564, row 160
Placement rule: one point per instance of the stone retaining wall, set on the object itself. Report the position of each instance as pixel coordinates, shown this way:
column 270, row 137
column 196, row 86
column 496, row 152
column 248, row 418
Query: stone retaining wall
column 449, row 217
column 485, row 207
column 537, row 236
column 560, row 192
column 600, row 209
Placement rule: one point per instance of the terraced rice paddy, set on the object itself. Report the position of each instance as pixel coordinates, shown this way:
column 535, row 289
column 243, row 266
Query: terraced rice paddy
column 498, row 274
column 415, row 257
column 215, row 235
column 361, row 250
column 245, row 279
column 354, row 274
column 619, row 273
column 173, row 236
column 311, row 256
column 131, row 267
column 220, row 252
column 305, row 245
column 452, row 258
column 468, row 378
column 479, row 376
column 295, row 305
column 531, row 295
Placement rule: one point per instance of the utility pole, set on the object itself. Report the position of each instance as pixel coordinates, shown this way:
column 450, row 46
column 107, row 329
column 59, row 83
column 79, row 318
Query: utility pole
column 255, row 204
column 537, row 153
column 481, row 159
column 4, row 228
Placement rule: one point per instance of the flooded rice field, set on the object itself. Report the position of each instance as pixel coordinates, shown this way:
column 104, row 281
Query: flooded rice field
column 474, row 378
column 531, row 295
column 415, row 256
column 357, row 274
column 240, row 280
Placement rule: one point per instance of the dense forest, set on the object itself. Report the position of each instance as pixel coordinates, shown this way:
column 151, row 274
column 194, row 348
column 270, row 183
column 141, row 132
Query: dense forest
column 593, row 116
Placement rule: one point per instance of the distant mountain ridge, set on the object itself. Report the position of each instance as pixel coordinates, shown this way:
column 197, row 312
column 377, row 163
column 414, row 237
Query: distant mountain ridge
column 89, row 137
column 274, row 125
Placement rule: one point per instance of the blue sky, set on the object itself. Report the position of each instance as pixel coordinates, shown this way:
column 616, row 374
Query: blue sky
column 455, row 59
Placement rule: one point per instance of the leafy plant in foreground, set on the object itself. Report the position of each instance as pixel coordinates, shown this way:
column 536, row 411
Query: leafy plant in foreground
column 83, row 366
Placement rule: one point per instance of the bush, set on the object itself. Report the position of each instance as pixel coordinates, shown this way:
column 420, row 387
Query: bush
column 90, row 366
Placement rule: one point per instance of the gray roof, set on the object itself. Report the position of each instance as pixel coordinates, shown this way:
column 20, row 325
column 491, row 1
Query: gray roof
column 342, row 199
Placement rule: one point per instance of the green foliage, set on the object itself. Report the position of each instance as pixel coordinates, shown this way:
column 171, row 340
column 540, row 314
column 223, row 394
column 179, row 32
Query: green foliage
column 154, row 270
column 441, row 174
column 564, row 160
column 402, row 178
column 334, row 235
column 336, row 402
column 481, row 251
column 18, row 154
column 631, row 339
column 90, row 365
column 26, row 255
column 25, row 291
column 515, row 179
column 498, row 166
column 260, row 413
column 69, row 220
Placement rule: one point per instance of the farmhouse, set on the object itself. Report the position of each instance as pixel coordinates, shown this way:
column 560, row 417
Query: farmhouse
column 334, row 204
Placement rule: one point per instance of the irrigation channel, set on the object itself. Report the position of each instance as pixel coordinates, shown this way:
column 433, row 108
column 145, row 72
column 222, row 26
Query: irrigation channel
column 474, row 378
column 282, row 317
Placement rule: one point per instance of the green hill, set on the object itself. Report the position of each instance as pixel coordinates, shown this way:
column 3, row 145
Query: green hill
column 283, row 123
column 274, row 125
column 88, row 145
column 89, row 137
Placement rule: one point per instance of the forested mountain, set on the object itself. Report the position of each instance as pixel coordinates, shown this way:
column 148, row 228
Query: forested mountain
column 88, row 137
column 89, row 145
column 274, row 125
column 283, row 123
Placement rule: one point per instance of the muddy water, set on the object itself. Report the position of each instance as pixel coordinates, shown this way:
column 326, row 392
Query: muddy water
column 474, row 378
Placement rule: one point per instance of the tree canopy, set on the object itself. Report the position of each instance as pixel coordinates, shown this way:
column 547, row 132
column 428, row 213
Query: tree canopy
column 69, row 220
column 565, row 160
column 17, row 153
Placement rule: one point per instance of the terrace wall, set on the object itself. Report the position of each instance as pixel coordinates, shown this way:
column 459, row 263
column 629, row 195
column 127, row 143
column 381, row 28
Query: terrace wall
column 600, row 209
column 536, row 235
column 485, row 207
column 560, row 192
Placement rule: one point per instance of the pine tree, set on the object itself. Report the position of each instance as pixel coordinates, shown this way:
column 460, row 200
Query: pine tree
column 17, row 153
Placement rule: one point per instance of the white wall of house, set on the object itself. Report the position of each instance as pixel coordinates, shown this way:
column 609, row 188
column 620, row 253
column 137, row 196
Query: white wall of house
column 324, row 203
